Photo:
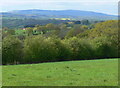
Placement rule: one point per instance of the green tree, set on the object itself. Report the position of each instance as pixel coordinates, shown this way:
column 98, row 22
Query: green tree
column 39, row 49
column 104, row 48
column 29, row 31
column 11, row 50
column 11, row 32
column 63, row 50
column 85, row 22
column 81, row 48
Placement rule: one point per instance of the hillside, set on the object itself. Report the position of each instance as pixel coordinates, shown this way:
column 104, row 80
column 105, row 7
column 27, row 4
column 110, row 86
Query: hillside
column 71, row 73
column 46, row 14
column 21, row 18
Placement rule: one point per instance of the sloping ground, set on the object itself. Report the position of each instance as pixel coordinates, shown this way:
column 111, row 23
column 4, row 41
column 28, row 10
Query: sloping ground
column 46, row 14
column 69, row 73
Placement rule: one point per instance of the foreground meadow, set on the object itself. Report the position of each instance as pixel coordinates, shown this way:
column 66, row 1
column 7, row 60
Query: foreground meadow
column 69, row 73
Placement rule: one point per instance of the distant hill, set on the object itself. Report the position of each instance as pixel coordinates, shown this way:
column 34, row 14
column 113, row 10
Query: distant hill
column 20, row 18
column 48, row 14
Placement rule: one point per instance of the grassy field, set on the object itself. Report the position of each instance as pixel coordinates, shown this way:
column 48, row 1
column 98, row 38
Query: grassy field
column 19, row 32
column 69, row 73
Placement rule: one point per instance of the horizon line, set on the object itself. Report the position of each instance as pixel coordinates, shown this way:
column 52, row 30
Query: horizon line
column 61, row 10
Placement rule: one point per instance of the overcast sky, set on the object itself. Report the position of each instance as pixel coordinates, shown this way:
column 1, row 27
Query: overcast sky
column 104, row 6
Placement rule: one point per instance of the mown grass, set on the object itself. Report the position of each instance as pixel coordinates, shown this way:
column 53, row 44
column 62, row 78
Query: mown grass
column 69, row 73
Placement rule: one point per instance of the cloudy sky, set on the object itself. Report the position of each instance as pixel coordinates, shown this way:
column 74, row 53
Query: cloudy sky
column 104, row 6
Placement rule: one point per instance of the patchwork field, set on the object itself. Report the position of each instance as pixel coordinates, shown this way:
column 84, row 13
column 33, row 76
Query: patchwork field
column 69, row 73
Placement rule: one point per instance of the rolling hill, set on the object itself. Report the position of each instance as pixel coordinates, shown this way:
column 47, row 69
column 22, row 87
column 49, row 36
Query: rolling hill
column 20, row 18
column 47, row 14
column 69, row 73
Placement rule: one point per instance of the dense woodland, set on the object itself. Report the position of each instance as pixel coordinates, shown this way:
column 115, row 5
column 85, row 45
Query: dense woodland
column 15, row 23
column 20, row 23
column 60, row 42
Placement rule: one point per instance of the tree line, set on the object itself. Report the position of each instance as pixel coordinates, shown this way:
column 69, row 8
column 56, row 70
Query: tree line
column 80, row 42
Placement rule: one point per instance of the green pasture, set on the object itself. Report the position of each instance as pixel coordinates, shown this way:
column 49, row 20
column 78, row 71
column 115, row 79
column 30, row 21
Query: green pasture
column 102, row 72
